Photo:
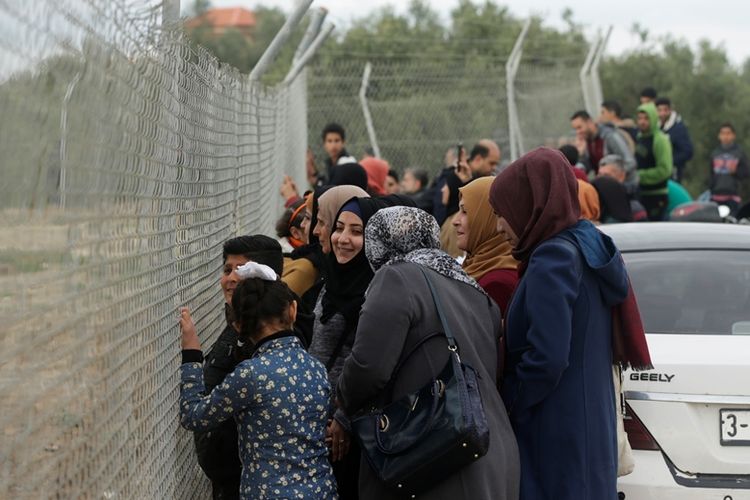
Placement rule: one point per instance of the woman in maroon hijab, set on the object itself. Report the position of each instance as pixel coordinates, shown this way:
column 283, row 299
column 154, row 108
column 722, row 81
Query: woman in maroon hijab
column 558, row 381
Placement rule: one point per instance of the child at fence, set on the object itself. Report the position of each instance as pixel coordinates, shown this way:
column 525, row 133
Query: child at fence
column 217, row 450
column 278, row 394
column 289, row 228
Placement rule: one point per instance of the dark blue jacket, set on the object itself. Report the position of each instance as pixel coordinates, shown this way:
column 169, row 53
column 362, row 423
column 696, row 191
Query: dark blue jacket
column 682, row 146
column 558, row 386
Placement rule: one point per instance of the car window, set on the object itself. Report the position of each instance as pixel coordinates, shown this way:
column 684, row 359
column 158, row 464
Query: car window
column 691, row 291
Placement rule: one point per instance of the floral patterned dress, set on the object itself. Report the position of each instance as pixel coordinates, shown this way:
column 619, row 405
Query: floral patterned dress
column 279, row 399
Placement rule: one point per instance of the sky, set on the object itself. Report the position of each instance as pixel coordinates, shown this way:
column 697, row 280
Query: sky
column 720, row 21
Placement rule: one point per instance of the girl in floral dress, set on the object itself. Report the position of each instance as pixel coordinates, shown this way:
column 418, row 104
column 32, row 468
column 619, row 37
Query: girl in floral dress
column 278, row 395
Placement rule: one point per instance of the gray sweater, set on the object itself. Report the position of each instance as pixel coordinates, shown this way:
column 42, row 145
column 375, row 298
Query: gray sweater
column 397, row 314
column 326, row 337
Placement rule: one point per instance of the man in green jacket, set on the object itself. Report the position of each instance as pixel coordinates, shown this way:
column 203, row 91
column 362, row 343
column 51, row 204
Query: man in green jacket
column 653, row 156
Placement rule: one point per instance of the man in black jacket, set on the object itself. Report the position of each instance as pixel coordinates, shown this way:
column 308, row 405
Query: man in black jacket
column 217, row 450
column 682, row 147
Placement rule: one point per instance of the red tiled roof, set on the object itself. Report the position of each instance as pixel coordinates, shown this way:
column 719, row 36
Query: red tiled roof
column 224, row 18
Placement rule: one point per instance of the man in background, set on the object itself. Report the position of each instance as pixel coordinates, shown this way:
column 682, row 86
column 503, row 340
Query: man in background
column 483, row 159
column 671, row 123
column 595, row 141
column 611, row 112
column 414, row 183
column 728, row 167
column 653, row 155
column 648, row 94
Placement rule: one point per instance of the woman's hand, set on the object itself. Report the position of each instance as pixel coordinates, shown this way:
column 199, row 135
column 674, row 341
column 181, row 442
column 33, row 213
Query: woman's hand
column 463, row 171
column 288, row 188
column 338, row 440
column 187, row 328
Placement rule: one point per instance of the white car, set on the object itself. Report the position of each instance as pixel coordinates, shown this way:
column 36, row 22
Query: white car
column 688, row 419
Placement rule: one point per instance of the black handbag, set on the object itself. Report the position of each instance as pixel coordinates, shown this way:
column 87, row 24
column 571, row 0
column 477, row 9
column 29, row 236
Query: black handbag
column 417, row 441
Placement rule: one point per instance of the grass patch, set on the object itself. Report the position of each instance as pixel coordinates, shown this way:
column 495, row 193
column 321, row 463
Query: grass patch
column 20, row 262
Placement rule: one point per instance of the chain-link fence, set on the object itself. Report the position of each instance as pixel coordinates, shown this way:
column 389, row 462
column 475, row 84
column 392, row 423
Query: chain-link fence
column 422, row 105
column 128, row 159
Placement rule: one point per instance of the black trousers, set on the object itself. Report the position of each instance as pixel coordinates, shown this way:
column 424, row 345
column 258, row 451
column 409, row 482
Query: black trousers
column 346, row 472
column 656, row 206
column 227, row 489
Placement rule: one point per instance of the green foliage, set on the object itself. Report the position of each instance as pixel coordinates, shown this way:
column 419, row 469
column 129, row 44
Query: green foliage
column 233, row 48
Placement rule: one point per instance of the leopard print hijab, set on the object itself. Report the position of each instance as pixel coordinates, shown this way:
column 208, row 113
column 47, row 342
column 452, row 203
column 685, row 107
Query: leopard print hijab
column 408, row 234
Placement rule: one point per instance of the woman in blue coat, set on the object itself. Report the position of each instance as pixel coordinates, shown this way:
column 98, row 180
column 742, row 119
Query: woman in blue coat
column 558, row 381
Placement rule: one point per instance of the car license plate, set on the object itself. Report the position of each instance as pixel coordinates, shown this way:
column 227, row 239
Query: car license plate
column 735, row 427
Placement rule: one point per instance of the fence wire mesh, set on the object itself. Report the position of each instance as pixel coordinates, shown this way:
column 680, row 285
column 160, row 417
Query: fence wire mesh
column 423, row 105
column 128, row 159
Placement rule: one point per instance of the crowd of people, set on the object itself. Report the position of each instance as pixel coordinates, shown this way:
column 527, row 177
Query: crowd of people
column 349, row 312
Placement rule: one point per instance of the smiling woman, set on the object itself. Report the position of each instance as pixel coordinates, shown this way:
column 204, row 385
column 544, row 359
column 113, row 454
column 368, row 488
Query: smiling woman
column 347, row 276
column 347, row 239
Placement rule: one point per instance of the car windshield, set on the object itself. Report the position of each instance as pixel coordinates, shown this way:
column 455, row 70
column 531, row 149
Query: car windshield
column 692, row 291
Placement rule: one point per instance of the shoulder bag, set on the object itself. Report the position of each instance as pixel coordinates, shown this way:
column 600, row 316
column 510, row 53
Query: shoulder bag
column 422, row 438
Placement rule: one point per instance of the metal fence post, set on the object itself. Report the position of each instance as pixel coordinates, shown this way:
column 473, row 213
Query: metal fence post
column 308, row 54
column 317, row 17
column 366, row 109
column 64, row 137
column 170, row 12
column 511, row 68
column 279, row 40
column 585, row 75
column 596, row 83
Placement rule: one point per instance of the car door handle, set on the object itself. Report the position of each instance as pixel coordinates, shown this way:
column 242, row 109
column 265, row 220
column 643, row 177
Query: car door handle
column 687, row 398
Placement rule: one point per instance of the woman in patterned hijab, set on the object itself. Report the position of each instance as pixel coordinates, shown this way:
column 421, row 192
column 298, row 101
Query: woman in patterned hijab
column 400, row 318
column 408, row 234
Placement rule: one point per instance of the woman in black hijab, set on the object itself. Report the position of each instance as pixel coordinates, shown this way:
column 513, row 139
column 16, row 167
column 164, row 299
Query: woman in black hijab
column 347, row 274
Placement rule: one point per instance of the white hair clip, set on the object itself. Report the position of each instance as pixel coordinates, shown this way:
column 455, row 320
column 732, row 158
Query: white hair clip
column 255, row 270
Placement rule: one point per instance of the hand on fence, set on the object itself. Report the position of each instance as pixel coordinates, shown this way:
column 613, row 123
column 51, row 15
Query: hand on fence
column 288, row 188
column 189, row 338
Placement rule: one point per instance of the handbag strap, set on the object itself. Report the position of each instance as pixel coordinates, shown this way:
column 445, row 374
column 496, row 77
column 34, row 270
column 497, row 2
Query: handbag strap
column 452, row 346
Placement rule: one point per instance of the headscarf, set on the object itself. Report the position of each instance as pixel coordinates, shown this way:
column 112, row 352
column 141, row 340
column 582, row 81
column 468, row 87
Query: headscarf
column 345, row 283
column 332, row 200
column 377, row 171
column 486, row 249
column 351, row 174
column 311, row 251
column 408, row 234
column 453, row 183
column 588, row 198
column 538, row 196
column 369, row 206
